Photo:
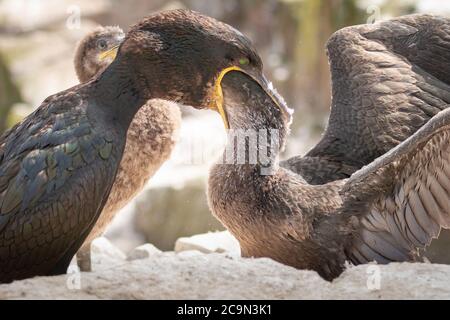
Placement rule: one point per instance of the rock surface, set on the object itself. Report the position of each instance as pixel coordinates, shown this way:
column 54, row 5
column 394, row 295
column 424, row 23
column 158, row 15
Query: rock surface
column 195, row 275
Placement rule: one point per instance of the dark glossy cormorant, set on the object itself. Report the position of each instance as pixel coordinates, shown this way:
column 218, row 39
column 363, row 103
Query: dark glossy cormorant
column 150, row 137
column 383, row 212
column 58, row 165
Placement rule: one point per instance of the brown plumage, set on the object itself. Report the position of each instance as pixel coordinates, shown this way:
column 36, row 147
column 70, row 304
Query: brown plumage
column 383, row 212
column 388, row 80
column 150, row 137
column 89, row 57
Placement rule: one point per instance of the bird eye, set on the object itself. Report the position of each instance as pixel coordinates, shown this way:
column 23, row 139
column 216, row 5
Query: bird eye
column 244, row 61
column 101, row 44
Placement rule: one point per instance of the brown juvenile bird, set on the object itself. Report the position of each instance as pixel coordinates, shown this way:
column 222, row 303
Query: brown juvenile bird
column 383, row 212
column 388, row 80
column 58, row 165
column 150, row 138
column 96, row 51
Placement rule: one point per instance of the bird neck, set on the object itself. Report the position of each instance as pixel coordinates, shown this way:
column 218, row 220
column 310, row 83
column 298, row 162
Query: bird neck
column 119, row 90
column 258, row 125
column 254, row 145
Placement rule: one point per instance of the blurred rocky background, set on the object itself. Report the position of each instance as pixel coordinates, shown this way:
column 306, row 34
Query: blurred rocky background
column 37, row 41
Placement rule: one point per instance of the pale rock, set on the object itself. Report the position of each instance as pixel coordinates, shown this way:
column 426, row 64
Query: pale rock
column 104, row 254
column 143, row 252
column 218, row 242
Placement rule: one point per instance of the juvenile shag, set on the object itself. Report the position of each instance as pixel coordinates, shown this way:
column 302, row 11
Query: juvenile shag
column 58, row 165
column 150, row 137
column 96, row 51
column 383, row 212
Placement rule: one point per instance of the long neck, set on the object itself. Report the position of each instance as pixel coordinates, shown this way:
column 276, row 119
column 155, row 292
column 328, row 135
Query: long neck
column 255, row 139
column 119, row 92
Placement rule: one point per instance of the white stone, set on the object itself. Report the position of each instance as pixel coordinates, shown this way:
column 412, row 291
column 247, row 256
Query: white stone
column 104, row 254
column 218, row 242
column 143, row 252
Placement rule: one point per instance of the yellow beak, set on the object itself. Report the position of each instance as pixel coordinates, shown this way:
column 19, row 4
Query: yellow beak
column 111, row 53
column 217, row 98
column 218, row 101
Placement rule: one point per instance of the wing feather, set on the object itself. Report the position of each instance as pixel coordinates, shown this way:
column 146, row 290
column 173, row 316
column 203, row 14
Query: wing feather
column 388, row 80
column 403, row 198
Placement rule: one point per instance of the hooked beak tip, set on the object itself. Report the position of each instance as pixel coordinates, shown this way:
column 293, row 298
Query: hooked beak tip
column 217, row 101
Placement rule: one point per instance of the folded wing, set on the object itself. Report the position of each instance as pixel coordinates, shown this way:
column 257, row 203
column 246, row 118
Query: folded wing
column 53, row 184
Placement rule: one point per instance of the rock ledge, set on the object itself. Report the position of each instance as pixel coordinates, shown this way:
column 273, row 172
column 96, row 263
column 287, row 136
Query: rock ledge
column 170, row 275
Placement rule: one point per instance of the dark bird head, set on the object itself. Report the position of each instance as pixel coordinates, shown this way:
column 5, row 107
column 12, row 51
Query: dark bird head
column 96, row 51
column 183, row 56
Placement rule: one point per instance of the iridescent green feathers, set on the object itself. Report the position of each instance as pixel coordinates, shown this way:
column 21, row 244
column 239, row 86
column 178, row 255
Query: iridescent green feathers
column 56, row 169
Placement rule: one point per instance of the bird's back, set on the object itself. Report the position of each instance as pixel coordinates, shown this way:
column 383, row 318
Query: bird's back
column 56, row 169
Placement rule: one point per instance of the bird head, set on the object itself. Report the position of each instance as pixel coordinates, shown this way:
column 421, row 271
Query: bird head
column 96, row 51
column 183, row 56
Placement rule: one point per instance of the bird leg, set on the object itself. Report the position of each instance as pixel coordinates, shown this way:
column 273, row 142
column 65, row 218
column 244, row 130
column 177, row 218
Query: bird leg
column 84, row 257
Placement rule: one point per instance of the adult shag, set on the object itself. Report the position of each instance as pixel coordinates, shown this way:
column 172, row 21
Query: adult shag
column 150, row 137
column 58, row 165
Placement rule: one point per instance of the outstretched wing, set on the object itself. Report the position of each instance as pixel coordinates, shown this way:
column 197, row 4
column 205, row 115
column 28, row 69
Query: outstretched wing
column 53, row 183
column 402, row 199
column 388, row 80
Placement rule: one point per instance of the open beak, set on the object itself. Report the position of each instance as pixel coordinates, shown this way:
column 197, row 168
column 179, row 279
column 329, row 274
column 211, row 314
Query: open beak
column 217, row 101
column 111, row 53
